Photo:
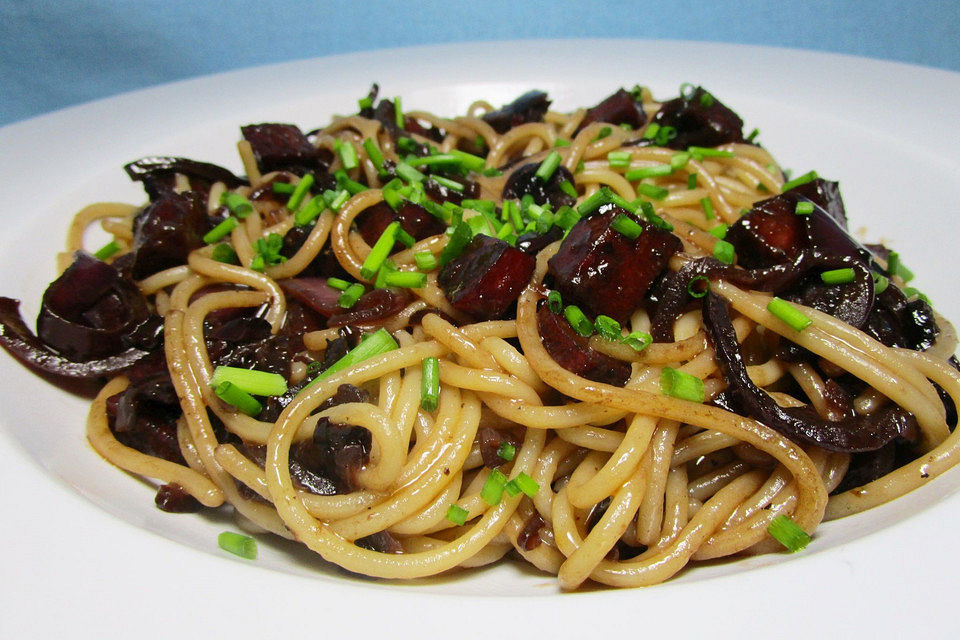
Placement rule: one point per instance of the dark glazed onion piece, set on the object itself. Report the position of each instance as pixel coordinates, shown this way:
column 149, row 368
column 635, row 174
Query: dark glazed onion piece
column 315, row 293
column 574, row 353
column 166, row 231
column 604, row 271
column 90, row 311
column 372, row 308
column 530, row 107
column 414, row 219
column 700, row 121
column 279, row 147
column 157, row 173
column 486, row 278
column 800, row 424
column 619, row 108
column 524, row 181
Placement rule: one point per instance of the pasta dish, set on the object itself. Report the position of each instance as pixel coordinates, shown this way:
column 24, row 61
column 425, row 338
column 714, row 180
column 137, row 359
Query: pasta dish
column 610, row 343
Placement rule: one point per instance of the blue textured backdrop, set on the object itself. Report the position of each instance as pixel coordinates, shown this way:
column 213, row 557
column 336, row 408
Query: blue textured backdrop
column 54, row 54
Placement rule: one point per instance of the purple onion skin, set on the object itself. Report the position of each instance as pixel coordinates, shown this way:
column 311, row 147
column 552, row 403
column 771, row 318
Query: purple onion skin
column 574, row 353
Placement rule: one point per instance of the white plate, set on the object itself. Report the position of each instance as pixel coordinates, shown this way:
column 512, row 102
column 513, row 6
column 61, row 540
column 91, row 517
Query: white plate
column 887, row 131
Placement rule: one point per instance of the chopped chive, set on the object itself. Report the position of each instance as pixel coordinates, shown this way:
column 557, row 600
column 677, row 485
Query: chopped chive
column 372, row 344
column 336, row 199
column 462, row 234
column 259, row 383
column 527, row 484
column 603, row 133
column 350, row 295
column 896, row 268
column 435, row 210
column 913, row 291
column 677, row 384
column 398, row 112
column 626, row 226
column 468, row 160
column 268, row 252
column 373, row 152
column 804, row 208
column 724, row 252
column 224, row 253
column 338, row 283
column 653, row 191
column 595, row 201
column 580, row 323
column 679, row 160
column 492, row 173
column 448, row 183
column 809, row 176
column 788, row 533
column 696, row 289
column 687, row 90
column 566, row 217
column 405, row 238
column 238, row 398
column 440, row 158
column 651, row 132
column 344, row 182
column 381, row 249
column 837, row 276
column 706, row 99
column 880, row 283
column 425, row 260
column 562, row 142
column 380, row 282
column 706, row 152
column 516, row 219
column 619, row 159
column 554, row 301
column 283, row 188
column 457, row 515
column 567, row 187
column 408, row 173
column 707, row 208
column 430, row 384
column 236, row 203
column 655, row 171
column 692, row 181
column 512, row 488
column 299, row 192
column 484, row 206
column 113, row 247
column 651, row 216
column 789, row 314
column 392, row 198
column 753, row 135
column 492, row 490
column 719, row 231
column 347, row 153
column 637, row 340
column 548, row 166
column 365, row 102
column 506, row 231
column 608, row 328
column 406, row 279
column 308, row 212
column 506, row 451
column 238, row 544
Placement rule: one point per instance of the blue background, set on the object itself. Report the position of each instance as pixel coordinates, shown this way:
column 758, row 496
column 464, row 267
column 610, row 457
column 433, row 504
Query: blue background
column 58, row 53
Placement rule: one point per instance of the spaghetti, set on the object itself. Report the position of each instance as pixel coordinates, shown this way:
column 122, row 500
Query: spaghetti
column 521, row 332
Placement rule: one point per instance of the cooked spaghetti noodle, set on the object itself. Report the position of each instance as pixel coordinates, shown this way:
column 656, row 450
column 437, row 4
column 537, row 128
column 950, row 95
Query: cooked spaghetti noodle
column 520, row 450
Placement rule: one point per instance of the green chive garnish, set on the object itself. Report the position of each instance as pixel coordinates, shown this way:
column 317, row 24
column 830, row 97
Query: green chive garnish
column 548, row 166
column 457, row 515
column 527, row 484
column 554, row 301
column 238, row 544
column 260, row 383
column 608, row 328
column 897, row 268
column 880, row 283
column 112, row 247
column 462, row 234
column 506, row 451
column 425, row 260
column 398, row 112
column 351, row 295
column 224, row 253
column 724, row 252
column 406, row 279
column 430, row 384
column 626, row 226
column 283, row 188
column 338, row 283
column 788, row 314
column 372, row 344
column 619, row 160
column 381, row 249
column 705, row 152
column 837, row 276
column 348, row 155
column 492, row 490
column 719, row 231
column 698, row 286
column 236, row 203
column 448, row 183
column 580, row 323
column 679, row 160
column 637, row 340
column 299, row 192
column 309, row 212
column 653, row 191
column 656, row 171
column 408, row 173
column 809, row 176
column 677, row 384
column 692, row 181
column 238, row 398
column 562, row 142
column 804, row 208
column 788, row 533
column 373, row 152
column 707, row 208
